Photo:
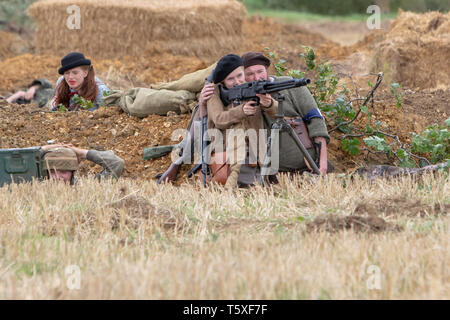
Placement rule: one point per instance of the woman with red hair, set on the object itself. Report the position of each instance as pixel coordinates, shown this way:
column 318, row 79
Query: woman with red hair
column 78, row 78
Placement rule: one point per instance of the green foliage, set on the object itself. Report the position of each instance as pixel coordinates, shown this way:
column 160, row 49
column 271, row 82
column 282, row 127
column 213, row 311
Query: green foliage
column 396, row 90
column 323, row 87
column 434, row 141
column 314, row 6
column 15, row 11
column 420, row 5
column 340, row 111
column 405, row 159
column 82, row 102
column 62, row 108
column 345, row 7
column 350, row 146
column 280, row 66
column 379, row 144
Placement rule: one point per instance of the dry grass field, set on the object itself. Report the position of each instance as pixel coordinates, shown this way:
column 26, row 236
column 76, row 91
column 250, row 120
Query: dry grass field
column 332, row 238
column 328, row 239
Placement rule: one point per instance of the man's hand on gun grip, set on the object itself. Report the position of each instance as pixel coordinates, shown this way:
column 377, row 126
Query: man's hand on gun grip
column 265, row 100
column 250, row 108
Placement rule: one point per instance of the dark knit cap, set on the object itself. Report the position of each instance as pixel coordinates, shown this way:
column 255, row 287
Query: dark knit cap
column 225, row 66
column 73, row 60
column 255, row 58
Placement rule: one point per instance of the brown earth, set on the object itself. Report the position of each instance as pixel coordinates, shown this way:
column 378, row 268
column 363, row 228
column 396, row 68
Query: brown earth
column 416, row 50
column 400, row 206
column 369, row 216
column 334, row 223
column 346, row 33
column 132, row 211
column 105, row 129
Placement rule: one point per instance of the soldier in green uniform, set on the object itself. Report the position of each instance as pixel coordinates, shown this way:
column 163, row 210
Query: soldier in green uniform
column 299, row 105
column 40, row 91
column 62, row 161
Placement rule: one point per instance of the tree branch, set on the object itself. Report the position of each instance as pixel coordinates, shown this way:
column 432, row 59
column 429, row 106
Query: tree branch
column 368, row 97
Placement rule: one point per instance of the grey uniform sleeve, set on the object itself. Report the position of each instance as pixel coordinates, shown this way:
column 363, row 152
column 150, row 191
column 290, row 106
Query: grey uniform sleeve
column 304, row 102
column 112, row 164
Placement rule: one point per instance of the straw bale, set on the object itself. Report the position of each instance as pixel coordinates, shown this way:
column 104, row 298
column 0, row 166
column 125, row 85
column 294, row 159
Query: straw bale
column 6, row 40
column 416, row 50
column 113, row 28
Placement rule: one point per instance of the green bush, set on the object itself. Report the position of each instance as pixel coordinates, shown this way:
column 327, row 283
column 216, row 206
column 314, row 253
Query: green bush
column 434, row 141
column 420, row 5
column 15, row 11
column 344, row 7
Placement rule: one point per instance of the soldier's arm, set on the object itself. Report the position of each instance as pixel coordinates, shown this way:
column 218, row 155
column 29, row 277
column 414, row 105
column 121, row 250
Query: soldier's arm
column 306, row 106
column 112, row 165
column 271, row 106
column 222, row 118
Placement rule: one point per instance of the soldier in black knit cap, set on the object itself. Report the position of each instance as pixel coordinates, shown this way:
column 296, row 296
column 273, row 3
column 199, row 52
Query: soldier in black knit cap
column 235, row 121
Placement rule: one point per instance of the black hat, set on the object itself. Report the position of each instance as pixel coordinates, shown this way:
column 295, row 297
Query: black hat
column 255, row 58
column 225, row 66
column 72, row 60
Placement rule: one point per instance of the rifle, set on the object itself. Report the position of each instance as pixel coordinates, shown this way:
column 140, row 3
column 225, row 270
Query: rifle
column 248, row 91
column 204, row 117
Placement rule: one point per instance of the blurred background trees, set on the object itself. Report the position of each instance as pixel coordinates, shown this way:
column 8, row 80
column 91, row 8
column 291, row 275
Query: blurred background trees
column 344, row 7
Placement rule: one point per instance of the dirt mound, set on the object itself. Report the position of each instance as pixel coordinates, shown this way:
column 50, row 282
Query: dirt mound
column 125, row 73
column 285, row 39
column 416, row 50
column 7, row 40
column 13, row 44
column 19, row 71
column 334, row 223
column 419, row 110
column 132, row 211
column 105, row 129
column 400, row 206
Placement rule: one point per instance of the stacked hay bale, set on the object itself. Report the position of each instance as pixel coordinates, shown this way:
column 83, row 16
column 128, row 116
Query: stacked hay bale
column 416, row 50
column 6, row 39
column 114, row 28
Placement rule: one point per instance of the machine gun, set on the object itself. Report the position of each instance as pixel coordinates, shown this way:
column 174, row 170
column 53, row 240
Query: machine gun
column 248, row 91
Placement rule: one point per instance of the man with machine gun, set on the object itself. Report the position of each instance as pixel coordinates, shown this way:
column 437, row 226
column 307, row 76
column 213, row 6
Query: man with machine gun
column 300, row 110
column 251, row 91
column 234, row 118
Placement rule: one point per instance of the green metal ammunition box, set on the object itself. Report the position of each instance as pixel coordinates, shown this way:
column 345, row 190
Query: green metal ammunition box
column 20, row 165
